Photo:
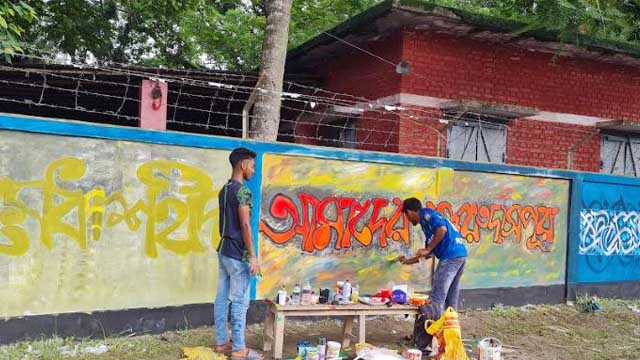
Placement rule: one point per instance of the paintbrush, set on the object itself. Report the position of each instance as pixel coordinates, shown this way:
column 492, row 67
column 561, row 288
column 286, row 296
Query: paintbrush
column 390, row 260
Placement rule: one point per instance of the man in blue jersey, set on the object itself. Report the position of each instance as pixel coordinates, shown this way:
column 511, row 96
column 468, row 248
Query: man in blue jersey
column 445, row 242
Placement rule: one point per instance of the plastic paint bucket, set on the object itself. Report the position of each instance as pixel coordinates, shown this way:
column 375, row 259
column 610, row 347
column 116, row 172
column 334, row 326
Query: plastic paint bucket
column 489, row 349
column 333, row 350
column 414, row 354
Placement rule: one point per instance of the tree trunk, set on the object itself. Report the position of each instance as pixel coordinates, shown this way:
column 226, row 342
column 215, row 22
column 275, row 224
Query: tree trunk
column 266, row 119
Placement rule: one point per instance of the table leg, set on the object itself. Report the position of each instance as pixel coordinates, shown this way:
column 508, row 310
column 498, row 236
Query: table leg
column 279, row 335
column 269, row 324
column 362, row 331
column 347, row 331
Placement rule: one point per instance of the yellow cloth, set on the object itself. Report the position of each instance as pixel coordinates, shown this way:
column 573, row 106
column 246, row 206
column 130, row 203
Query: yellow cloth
column 201, row 353
column 447, row 330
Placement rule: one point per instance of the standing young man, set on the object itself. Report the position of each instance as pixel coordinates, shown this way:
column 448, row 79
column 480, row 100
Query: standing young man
column 236, row 257
column 445, row 242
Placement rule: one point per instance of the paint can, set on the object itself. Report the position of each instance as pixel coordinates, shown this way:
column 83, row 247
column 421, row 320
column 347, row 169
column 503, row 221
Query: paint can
column 324, row 296
column 413, row 354
column 312, row 353
column 333, row 350
column 302, row 348
column 399, row 297
column 489, row 349
column 282, row 297
column 322, row 348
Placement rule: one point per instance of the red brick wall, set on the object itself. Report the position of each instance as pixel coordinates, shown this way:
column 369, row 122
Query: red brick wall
column 378, row 131
column 362, row 75
column 449, row 67
column 546, row 144
column 305, row 131
column 420, row 129
column 460, row 68
column 358, row 74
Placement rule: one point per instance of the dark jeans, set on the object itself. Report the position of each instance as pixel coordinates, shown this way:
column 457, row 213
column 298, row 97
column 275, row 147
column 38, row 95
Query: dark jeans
column 445, row 291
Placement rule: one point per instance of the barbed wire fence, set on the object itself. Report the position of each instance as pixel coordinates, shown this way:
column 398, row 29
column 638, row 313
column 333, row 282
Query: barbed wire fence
column 212, row 102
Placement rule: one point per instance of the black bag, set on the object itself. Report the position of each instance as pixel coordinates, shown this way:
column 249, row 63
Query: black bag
column 421, row 339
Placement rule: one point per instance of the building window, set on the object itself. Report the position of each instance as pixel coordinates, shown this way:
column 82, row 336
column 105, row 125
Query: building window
column 340, row 132
column 475, row 137
column 620, row 155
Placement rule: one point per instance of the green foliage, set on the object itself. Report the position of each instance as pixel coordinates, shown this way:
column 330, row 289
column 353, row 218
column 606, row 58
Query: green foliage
column 227, row 34
column 14, row 16
column 599, row 19
column 224, row 34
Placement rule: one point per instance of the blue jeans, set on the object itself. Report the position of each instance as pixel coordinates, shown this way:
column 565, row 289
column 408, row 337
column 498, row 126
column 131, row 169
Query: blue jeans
column 233, row 288
column 446, row 283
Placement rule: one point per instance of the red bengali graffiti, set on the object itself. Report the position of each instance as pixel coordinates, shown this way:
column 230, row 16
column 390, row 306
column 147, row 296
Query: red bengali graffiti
column 317, row 231
column 310, row 221
column 504, row 221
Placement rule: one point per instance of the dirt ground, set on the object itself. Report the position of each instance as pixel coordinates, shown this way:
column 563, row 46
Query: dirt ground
column 530, row 332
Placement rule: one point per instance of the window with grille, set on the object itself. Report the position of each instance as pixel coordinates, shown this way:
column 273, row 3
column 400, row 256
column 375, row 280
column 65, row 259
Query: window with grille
column 620, row 155
column 338, row 133
column 474, row 137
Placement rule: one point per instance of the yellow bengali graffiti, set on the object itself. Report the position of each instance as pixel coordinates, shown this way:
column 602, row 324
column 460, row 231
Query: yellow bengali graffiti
column 176, row 195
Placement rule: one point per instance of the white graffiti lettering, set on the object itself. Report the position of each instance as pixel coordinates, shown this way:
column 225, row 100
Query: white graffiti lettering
column 609, row 232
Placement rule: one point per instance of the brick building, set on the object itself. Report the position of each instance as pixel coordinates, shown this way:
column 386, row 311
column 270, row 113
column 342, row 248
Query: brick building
column 475, row 91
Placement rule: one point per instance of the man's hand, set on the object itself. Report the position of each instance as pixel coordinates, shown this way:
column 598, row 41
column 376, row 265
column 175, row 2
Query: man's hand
column 403, row 260
column 422, row 253
column 254, row 266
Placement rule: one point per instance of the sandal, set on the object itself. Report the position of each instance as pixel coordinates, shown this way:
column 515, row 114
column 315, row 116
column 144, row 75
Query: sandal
column 251, row 355
column 223, row 349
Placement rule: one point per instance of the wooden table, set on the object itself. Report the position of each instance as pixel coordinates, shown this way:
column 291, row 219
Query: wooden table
column 276, row 319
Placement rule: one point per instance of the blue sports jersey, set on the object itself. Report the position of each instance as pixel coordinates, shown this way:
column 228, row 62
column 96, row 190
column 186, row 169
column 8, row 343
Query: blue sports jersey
column 452, row 245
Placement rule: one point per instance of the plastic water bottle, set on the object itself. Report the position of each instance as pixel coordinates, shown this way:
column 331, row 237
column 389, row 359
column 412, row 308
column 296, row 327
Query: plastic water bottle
column 282, row 296
column 295, row 295
column 346, row 291
column 306, row 294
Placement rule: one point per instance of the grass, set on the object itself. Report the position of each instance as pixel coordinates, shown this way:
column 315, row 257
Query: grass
column 541, row 332
column 165, row 346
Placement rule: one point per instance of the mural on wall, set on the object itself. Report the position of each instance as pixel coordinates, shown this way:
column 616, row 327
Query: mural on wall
column 91, row 224
column 608, row 245
column 515, row 226
column 609, row 232
column 324, row 221
column 328, row 220
column 503, row 222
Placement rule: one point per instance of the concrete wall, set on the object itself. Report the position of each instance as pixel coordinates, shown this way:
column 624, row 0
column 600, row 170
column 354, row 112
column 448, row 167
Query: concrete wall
column 98, row 224
column 605, row 248
column 117, row 221
column 325, row 220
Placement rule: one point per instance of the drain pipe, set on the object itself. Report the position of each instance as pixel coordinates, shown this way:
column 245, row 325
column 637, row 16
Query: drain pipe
column 441, row 130
column 247, row 108
column 245, row 112
column 440, row 138
column 576, row 146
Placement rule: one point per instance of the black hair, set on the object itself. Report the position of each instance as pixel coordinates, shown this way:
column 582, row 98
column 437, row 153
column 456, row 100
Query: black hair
column 411, row 204
column 240, row 154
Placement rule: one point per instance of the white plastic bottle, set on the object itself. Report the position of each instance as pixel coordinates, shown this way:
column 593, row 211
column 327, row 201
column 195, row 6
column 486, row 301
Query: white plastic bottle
column 346, row 291
column 306, row 294
column 282, row 296
column 295, row 295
